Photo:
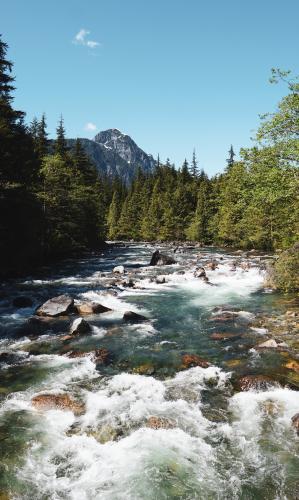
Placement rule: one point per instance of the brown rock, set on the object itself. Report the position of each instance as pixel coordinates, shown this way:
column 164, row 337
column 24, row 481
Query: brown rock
column 293, row 365
column 223, row 336
column 102, row 355
column 160, row 423
column 57, row 402
column 91, row 308
column 189, row 360
column 255, row 382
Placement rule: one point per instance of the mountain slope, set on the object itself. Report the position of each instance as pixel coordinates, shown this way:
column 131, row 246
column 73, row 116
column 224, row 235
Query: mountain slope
column 115, row 153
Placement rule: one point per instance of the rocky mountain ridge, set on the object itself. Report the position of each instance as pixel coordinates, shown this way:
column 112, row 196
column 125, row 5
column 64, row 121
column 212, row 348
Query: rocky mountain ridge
column 116, row 154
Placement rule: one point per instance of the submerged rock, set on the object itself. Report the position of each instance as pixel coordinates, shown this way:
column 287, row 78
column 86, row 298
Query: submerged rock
column 161, row 259
column 132, row 317
column 295, row 422
column 255, row 382
column 57, row 402
column 223, row 336
column 190, row 360
column 102, row 356
column 119, row 270
column 145, row 369
column 22, row 302
column 160, row 423
column 91, row 308
column 57, row 306
column 80, row 326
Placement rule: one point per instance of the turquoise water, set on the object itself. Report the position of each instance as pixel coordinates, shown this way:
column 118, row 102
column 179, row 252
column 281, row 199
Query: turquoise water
column 218, row 443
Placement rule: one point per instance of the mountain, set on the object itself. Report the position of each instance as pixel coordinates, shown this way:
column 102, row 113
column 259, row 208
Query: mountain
column 115, row 153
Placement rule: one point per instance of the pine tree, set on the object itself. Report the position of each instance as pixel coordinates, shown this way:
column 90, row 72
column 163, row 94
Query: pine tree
column 230, row 161
column 194, row 166
column 60, row 143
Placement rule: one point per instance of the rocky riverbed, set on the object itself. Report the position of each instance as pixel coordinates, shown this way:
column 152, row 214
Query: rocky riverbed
column 125, row 380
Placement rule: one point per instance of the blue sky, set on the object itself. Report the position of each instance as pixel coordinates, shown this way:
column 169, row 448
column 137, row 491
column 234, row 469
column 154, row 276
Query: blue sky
column 173, row 74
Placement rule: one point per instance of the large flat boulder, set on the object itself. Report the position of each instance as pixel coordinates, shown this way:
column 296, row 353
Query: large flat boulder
column 57, row 306
column 161, row 259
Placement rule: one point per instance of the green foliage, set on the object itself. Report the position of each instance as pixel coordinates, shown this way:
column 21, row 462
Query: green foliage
column 286, row 270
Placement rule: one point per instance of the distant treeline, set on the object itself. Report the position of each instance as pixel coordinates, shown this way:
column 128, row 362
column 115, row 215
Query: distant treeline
column 54, row 203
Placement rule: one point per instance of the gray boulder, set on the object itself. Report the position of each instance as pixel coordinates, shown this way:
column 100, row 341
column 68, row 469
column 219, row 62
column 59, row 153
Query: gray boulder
column 58, row 306
column 161, row 259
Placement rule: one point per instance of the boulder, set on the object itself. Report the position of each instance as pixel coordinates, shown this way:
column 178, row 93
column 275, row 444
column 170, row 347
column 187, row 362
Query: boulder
column 57, row 402
column 292, row 365
column 22, row 301
column 269, row 344
column 200, row 273
column 80, row 327
column 132, row 317
column 160, row 423
column 255, row 382
column 102, row 356
column 295, row 422
column 91, row 308
column 58, row 306
column 160, row 280
column 212, row 265
column 119, row 270
column 190, row 360
column 161, row 259
column 129, row 283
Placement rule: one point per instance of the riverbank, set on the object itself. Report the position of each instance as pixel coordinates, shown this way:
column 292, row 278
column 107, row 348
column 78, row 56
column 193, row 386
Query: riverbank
column 185, row 403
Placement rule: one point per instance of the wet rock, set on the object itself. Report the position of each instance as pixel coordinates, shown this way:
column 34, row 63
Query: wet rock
column 190, row 360
column 119, row 270
column 12, row 358
column 22, row 302
column 200, row 273
column 223, row 336
column 145, row 369
column 212, row 265
column 57, row 306
column 160, row 423
column 160, row 280
column 91, row 308
column 57, row 402
column 292, row 365
column 224, row 316
column 80, row 327
column 129, row 283
column 132, row 317
column 161, row 259
column 295, row 422
column 76, row 354
column 255, row 382
column 105, row 434
column 102, row 356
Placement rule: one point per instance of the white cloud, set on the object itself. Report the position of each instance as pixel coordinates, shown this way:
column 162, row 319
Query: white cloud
column 80, row 39
column 90, row 127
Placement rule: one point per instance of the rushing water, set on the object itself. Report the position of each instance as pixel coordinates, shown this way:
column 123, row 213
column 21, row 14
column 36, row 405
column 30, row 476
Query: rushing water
column 220, row 443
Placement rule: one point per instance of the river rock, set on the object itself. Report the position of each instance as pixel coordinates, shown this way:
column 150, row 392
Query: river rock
column 160, row 423
column 295, row 422
column 223, row 336
column 132, row 317
column 212, row 265
column 129, row 283
column 269, row 344
column 57, row 402
column 91, row 308
column 102, row 356
column 255, row 382
column 160, row 280
column 190, row 360
column 58, row 306
column 22, row 302
column 292, row 365
column 80, row 327
column 161, row 259
column 200, row 273
column 119, row 270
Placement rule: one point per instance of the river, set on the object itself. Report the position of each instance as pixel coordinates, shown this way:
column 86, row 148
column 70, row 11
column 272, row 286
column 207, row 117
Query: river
column 155, row 425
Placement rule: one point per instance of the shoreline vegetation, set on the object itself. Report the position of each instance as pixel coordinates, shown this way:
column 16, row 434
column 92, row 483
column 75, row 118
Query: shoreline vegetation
column 54, row 204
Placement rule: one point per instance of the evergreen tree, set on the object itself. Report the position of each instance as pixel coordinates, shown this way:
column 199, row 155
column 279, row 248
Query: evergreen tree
column 194, row 166
column 231, row 154
column 60, row 143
